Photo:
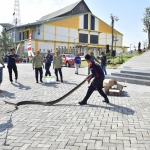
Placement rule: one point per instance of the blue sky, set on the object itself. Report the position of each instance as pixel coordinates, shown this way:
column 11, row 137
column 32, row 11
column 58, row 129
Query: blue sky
column 129, row 12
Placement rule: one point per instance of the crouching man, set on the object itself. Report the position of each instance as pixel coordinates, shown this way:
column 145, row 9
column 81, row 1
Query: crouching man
column 97, row 83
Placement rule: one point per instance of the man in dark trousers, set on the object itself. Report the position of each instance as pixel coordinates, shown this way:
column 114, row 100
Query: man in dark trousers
column 57, row 65
column 97, row 83
column 37, row 65
column 12, row 65
column 103, row 62
column 49, row 59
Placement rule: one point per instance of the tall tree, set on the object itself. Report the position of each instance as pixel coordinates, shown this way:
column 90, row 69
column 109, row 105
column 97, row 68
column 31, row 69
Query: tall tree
column 146, row 22
column 113, row 19
column 5, row 43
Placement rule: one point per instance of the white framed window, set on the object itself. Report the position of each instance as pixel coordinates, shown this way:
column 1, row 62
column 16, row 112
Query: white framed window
column 38, row 30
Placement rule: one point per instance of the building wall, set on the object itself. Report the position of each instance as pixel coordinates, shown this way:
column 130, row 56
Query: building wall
column 74, row 35
column 49, row 32
column 45, row 46
column 62, row 34
column 39, row 33
column 103, row 38
column 72, row 22
column 25, row 46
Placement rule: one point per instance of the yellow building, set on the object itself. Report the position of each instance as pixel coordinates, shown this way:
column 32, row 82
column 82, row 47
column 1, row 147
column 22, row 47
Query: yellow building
column 70, row 29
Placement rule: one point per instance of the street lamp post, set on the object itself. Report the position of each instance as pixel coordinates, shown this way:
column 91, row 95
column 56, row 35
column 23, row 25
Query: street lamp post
column 131, row 45
column 75, row 46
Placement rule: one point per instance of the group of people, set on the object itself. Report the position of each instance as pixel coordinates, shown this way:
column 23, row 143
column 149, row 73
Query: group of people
column 97, row 71
column 38, row 64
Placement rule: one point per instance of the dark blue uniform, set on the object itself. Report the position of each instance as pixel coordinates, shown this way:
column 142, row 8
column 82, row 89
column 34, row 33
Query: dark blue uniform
column 49, row 59
column 97, row 83
column 12, row 66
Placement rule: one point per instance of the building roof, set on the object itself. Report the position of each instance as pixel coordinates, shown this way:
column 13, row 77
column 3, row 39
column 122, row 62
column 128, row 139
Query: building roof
column 6, row 25
column 26, row 25
column 62, row 11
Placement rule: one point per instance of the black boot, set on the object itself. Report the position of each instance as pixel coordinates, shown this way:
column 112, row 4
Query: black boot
column 57, row 79
column 61, row 79
column 82, row 103
column 106, row 100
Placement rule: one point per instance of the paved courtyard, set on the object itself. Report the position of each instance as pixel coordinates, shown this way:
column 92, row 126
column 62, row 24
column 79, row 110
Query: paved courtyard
column 124, row 124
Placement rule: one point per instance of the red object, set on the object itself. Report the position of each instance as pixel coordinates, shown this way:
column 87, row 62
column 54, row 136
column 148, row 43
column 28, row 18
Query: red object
column 17, row 60
column 68, row 59
column 29, row 43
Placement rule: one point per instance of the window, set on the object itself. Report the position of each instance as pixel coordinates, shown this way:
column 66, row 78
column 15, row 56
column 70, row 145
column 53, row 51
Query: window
column 20, row 36
column 38, row 30
column 83, row 38
column 92, row 22
column 32, row 49
column 94, row 39
column 27, row 34
column 86, row 21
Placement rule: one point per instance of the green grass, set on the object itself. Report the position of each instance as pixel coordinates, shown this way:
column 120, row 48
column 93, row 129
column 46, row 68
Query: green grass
column 84, row 63
column 116, row 60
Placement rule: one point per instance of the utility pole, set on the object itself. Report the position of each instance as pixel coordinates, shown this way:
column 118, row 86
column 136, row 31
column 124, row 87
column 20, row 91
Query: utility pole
column 115, row 41
column 113, row 19
column 16, row 13
column 16, row 16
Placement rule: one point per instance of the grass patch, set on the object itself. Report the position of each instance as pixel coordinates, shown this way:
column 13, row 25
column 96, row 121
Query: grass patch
column 84, row 63
column 116, row 61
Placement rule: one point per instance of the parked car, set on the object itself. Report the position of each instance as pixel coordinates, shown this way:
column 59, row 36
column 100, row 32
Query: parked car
column 68, row 59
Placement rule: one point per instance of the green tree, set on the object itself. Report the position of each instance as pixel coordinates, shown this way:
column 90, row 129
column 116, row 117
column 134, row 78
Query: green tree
column 146, row 23
column 5, row 43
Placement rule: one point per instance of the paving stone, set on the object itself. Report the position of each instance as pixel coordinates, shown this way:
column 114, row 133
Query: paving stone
column 122, row 124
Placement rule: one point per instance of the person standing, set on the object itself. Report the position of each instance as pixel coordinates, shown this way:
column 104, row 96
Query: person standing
column 1, row 61
column 77, row 62
column 94, row 59
column 37, row 65
column 49, row 59
column 97, row 83
column 57, row 65
column 12, row 57
column 103, row 62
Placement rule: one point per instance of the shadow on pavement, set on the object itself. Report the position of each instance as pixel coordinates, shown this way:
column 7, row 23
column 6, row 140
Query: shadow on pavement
column 8, row 124
column 115, row 108
column 55, row 85
column 66, row 82
column 21, row 86
column 8, row 94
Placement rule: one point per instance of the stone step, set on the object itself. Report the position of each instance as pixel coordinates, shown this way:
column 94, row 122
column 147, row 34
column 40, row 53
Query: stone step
column 129, row 80
column 133, row 67
column 135, row 76
column 136, row 72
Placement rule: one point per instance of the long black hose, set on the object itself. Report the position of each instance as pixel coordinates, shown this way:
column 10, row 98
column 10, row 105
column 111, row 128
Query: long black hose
column 46, row 103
